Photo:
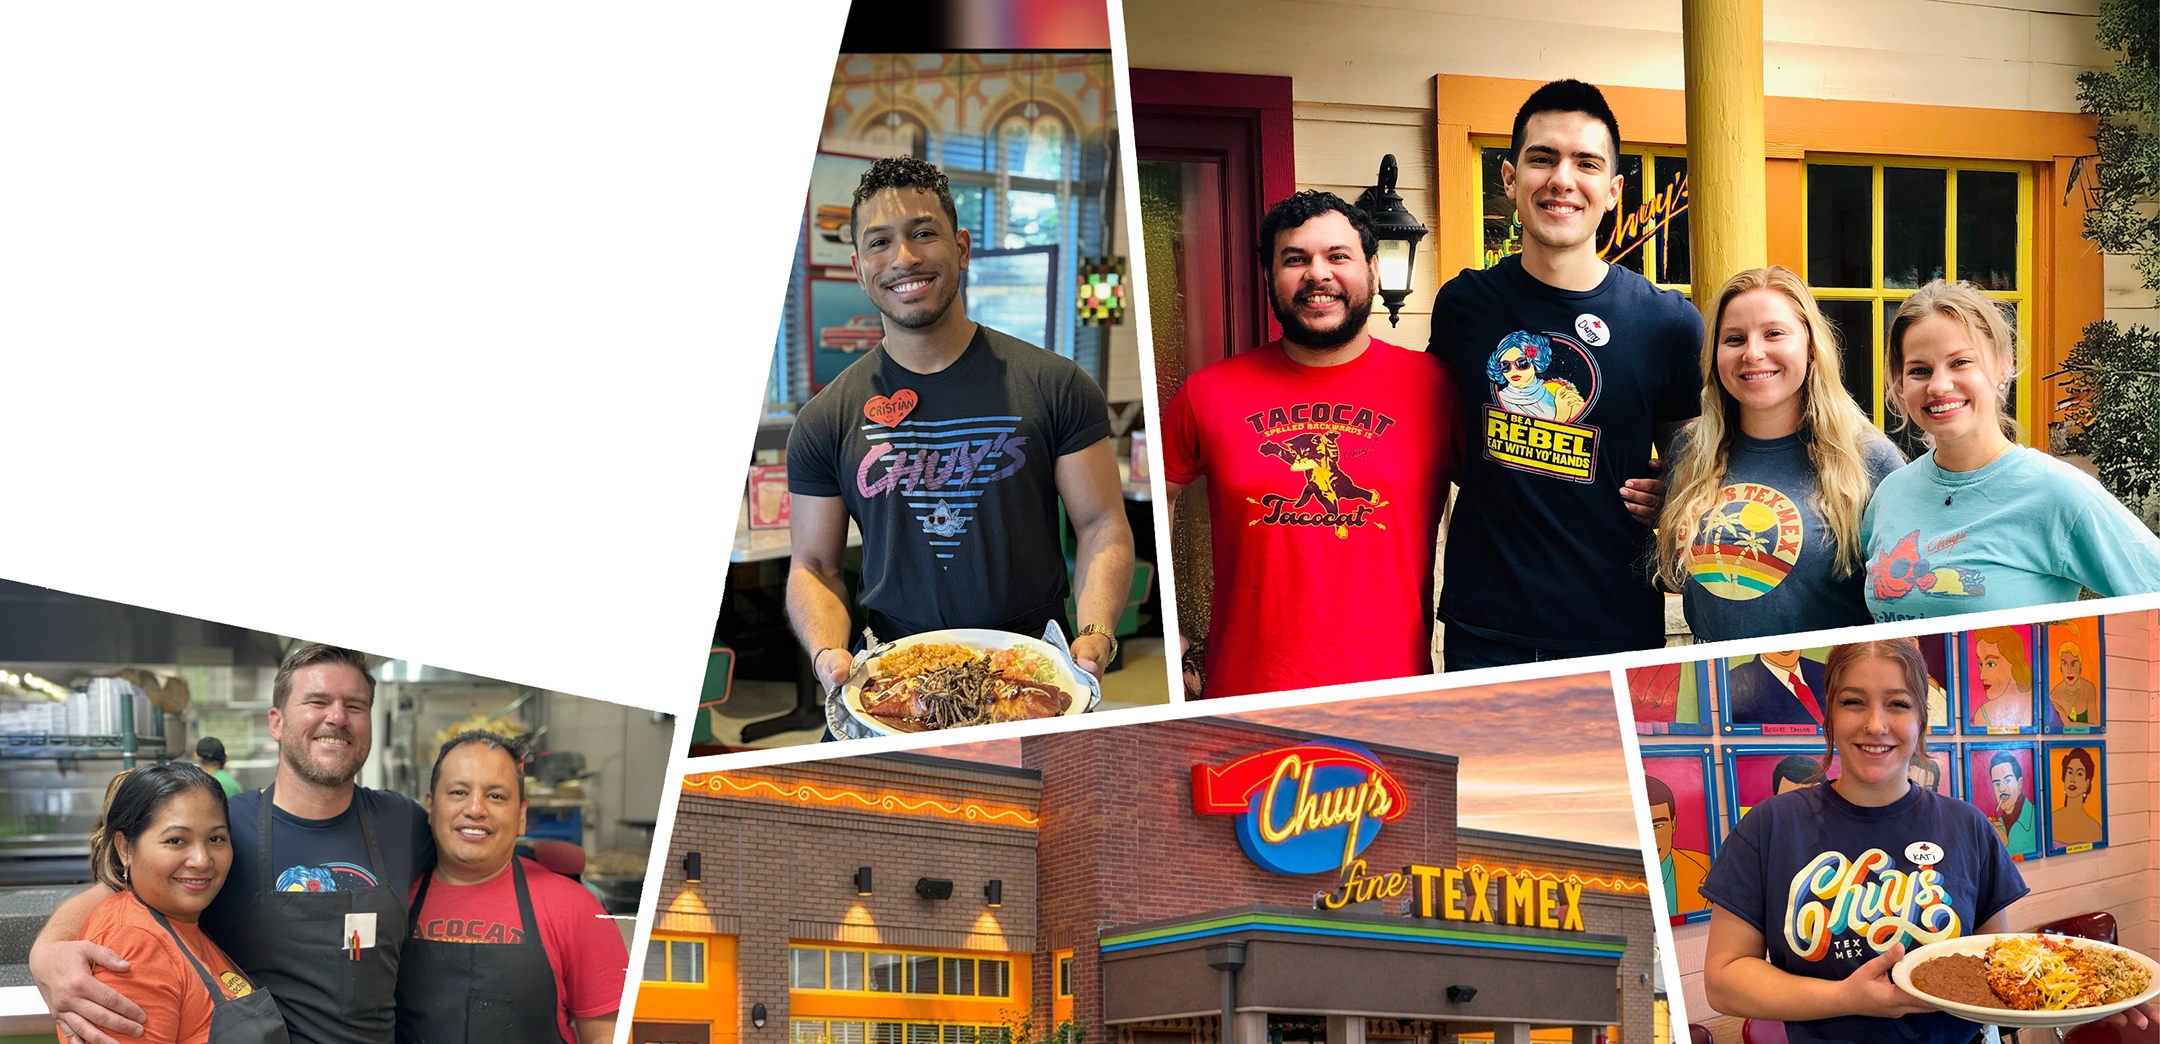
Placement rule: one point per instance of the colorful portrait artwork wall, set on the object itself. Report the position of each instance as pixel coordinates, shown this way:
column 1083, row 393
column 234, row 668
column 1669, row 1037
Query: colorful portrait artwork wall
column 1939, row 772
column 1999, row 778
column 2075, row 653
column 1935, row 650
column 1754, row 775
column 1670, row 699
column 1774, row 693
column 2076, row 796
column 1676, row 789
column 1999, row 678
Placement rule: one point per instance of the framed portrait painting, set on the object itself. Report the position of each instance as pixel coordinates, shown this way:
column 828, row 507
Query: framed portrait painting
column 1670, row 699
column 1996, row 672
column 1939, row 772
column 1774, row 693
column 1676, row 789
column 2075, row 655
column 1937, row 650
column 1754, row 775
column 2076, row 789
column 1999, row 778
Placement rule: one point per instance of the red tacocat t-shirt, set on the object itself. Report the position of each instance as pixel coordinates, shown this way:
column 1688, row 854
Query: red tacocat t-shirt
column 583, row 945
column 1325, row 485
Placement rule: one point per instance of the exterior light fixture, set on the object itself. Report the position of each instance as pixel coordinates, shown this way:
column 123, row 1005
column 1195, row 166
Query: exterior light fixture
column 994, row 893
column 862, row 880
column 757, row 1015
column 932, row 889
column 690, row 868
column 1398, row 231
column 1461, row 994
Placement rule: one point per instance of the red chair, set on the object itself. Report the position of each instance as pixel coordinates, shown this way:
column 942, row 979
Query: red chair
column 2098, row 926
column 1756, row 1032
column 1697, row 1033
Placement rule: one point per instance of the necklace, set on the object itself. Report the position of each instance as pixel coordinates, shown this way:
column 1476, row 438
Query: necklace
column 2007, row 447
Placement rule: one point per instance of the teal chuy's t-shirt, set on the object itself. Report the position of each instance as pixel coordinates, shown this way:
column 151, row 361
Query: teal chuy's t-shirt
column 2025, row 530
column 1763, row 561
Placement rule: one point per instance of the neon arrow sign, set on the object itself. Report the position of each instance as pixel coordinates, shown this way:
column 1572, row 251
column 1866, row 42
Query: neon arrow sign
column 1305, row 809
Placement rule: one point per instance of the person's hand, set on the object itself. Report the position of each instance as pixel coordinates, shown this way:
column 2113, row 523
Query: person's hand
column 1645, row 497
column 82, row 1006
column 832, row 665
column 1869, row 990
column 1092, row 653
column 2137, row 1016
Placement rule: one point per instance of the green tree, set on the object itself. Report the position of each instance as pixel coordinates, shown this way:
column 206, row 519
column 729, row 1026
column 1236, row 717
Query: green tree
column 2111, row 380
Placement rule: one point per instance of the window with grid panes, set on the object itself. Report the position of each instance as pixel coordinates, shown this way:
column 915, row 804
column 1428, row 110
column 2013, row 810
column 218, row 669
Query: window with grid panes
column 806, row 968
column 922, row 974
column 845, row 970
column 994, row 978
column 675, row 960
column 1879, row 229
column 885, row 973
column 1647, row 233
column 806, row 1031
column 959, row 977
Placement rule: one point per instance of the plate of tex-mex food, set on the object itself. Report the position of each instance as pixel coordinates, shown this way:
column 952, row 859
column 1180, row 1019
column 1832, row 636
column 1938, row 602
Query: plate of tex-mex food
column 959, row 677
column 2027, row 979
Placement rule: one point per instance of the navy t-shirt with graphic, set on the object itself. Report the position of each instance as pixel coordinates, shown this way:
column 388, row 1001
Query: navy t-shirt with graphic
column 321, row 855
column 1561, row 391
column 952, row 477
column 1922, row 869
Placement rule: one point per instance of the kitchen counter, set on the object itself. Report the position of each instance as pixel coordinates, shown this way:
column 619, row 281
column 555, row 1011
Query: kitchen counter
column 23, row 911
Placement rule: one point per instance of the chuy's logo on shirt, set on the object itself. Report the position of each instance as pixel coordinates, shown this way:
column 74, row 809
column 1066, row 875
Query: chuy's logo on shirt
column 1541, row 383
column 944, row 467
column 1837, row 908
column 1748, row 543
column 1902, row 570
column 1310, row 439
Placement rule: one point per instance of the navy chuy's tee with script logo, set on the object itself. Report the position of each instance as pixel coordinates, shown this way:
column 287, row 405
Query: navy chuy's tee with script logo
column 1560, row 391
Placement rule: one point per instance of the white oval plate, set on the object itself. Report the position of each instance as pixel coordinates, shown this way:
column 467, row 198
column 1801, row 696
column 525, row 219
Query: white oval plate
column 1976, row 945
column 980, row 639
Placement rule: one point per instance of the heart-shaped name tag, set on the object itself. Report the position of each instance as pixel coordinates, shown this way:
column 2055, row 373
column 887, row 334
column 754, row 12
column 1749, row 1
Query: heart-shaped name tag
column 890, row 410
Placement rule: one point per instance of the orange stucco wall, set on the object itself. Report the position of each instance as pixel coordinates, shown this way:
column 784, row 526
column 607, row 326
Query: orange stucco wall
column 712, row 1003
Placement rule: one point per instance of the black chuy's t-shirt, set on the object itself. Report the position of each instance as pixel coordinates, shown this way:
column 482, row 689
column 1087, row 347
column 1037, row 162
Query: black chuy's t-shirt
column 1561, row 389
column 952, row 477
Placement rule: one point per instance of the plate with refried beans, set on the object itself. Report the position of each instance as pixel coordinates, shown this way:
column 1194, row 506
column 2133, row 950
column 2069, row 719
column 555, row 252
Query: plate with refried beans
column 2028, row 979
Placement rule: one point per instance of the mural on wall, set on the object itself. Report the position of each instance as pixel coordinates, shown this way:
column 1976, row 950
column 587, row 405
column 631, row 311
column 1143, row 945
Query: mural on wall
column 1999, row 779
column 828, row 235
column 1754, row 775
column 1676, row 787
column 1938, row 771
column 1775, row 693
column 1668, row 699
column 2076, row 788
column 842, row 325
column 1935, row 650
column 2075, row 652
column 1997, row 670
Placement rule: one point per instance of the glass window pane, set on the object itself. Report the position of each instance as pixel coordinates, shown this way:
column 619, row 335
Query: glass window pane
column 959, row 977
column 1503, row 234
column 1620, row 239
column 1046, row 150
column 1673, row 261
column 1841, row 219
column 1064, row 983
column 968, row 203
column 885, row 972
column 887, row 1032
column 802, row 1031
column 806, row 968
column 1013, row 156
column 847, row 1033
column 920, row 1033
column 1914, row 205
column 994, row 978
column 687, row 963
column 959, row 1035
column 1031, row 219
column 1987, row 228
column 846, row 970
column 922, row 975
column 1856, row 335
column 656, row 961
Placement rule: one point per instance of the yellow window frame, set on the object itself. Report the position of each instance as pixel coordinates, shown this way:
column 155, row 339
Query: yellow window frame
column 995, row 1030
column 941, row 955
column 704, row 944
column 1878, row 294
column 1649, row 153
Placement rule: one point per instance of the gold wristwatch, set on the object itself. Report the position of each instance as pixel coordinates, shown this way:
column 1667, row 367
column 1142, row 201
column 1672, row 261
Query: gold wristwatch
column 1106, row 632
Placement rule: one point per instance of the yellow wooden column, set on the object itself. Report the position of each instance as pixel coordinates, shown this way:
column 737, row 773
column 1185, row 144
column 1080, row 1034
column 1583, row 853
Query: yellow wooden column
column 1727, row 226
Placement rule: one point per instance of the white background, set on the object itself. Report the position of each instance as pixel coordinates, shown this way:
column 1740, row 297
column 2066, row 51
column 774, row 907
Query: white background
column 433, row 330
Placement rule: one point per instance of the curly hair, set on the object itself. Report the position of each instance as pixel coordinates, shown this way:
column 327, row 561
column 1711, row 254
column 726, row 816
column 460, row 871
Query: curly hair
column 1304, row 206
column 898, row 172
column 1535, row 347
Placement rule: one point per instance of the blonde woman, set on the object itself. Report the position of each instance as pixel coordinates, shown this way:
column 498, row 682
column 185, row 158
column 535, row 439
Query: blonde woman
column 1761, row 530
column 1979, row 522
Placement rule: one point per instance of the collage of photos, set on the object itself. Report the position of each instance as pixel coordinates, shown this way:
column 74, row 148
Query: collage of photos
column 1621, row 524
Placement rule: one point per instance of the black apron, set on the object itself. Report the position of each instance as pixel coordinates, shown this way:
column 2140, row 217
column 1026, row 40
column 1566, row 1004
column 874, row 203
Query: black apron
column 252, row 1019
column 294, row 945
column 452, row 992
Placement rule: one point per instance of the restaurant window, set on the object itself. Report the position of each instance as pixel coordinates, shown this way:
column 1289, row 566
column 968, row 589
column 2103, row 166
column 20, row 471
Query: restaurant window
column 803, row 1031
column 884, row 973
column 675, row 960
column 922, row 975
column 994, row 978
column 806, row 969
column 1879, row 229
column 887, row 1033
column 959, row 978
column 959, row 1035
column 919, row 1033
column 1064, row 976
column 845, row 970
column 1647, row 233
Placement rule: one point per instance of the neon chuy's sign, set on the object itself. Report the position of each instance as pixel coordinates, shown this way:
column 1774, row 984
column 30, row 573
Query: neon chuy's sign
column 1306, row 809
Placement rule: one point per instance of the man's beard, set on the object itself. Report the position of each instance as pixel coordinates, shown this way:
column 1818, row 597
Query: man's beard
column 926, row 314
column 1355, row 312
column 315, row 773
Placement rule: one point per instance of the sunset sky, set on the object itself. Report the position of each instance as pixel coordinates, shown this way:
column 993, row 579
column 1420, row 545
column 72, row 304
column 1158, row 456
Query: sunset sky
column 1537, row 757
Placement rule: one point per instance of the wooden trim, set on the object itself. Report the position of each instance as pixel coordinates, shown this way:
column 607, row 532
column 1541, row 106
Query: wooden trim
column 1267, row 97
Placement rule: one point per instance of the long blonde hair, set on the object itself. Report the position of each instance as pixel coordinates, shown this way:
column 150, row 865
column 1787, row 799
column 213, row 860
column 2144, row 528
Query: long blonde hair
column 1833, row 427
column 1984, row 324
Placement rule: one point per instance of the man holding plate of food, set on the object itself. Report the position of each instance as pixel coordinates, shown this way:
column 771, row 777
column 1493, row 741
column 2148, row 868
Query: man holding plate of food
column 951, row 446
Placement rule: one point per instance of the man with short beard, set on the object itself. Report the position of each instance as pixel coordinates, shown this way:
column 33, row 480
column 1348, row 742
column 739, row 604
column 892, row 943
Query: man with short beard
column 951, row 446
column 1568, row 371
column 317, row 913
column 1327, row 464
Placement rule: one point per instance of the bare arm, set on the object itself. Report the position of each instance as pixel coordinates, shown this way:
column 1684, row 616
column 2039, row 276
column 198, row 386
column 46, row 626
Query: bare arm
column 1087, row 481
column 1739, row 982
column 816, row 595
column 598, row 1030
column 62, row 965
